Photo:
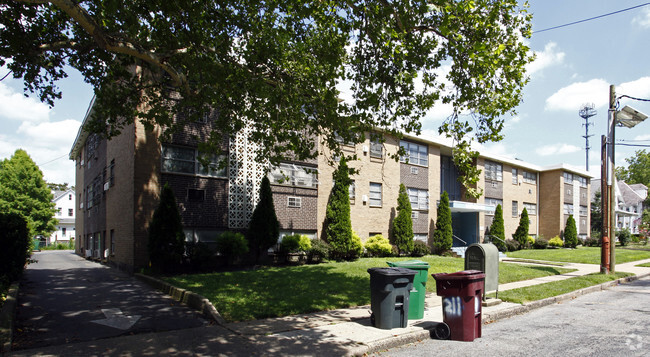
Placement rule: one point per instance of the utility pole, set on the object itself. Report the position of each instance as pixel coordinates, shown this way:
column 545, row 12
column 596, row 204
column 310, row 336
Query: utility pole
column 611, row 180
column 604, row 208
column 587, row 111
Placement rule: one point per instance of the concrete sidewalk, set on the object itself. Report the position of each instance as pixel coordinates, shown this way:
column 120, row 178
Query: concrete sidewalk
column 338, row 332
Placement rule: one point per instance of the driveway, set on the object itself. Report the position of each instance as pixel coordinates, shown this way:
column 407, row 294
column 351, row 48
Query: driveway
column 64, row 299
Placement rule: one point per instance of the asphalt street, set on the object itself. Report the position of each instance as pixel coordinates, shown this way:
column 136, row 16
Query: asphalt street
column 65, row 299
column 614, row 322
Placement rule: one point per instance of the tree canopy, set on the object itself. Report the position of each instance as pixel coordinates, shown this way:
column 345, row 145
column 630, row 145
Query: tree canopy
column 638, row 169
column 23, row 191
column 279, row 65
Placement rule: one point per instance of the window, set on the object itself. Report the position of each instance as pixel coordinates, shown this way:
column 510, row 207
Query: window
column 342, row 141
column 375, row 195
column 376, row 149
column 582, row 180
column 414, row 170
column 568, row 178
column 70, row 197
column 70, row 212
column 58, row 211
column 515, row 178
column 294, row 175
column 194, row 195
column 515, row 209
column 111, row 170
column 568, row 208
column 415, row 154
column 421, row 237
column 529, row 177
column 186, row 160
column 419, row 198
column 112, row 241
column 493, row 202
column 415, row 215
column 493, row 171
column 295, row 202
column 531, row 208
column 63, row 231
column 352, row 190
column 569, row 192
column 583, row 210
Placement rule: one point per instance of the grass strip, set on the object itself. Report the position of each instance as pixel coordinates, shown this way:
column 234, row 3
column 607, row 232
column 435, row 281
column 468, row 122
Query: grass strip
column 555, row 288
column 585, row 255
column 646, row 265
column 532, row 261
column 290, row 290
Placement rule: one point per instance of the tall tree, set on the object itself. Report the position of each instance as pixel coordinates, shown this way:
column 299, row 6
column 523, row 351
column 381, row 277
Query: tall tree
column 264, row 227
column 596, row 215
column 338, row 225
column 443, row 236
column 497, row 229
column 166, row 237
column 275, row 65
column 570, row 233
column 23, row 191
column 521, row 234
column 403, row 223
column 638, row 169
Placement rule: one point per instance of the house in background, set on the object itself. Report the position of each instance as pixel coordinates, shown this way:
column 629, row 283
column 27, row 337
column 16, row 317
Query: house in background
column 629, row 204
column 65, row 214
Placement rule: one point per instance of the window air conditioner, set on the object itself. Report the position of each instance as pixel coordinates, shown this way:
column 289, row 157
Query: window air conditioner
column 364, row 198
column 365, row 149
column 106, row 186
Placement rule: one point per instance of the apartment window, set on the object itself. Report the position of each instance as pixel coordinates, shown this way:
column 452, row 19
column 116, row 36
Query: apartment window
column 376, row 149
column 515, row 178
column 184, row 160
column 419, row 198
column 568, row 208
column 414, row 170
column 63, row 232
column 493, row 171
column 415, row 154
column 583, row 210
column 568, row 178
column 493, row 202
column 515, row 209
column 295, row 202
column 70, row 212
column 69, row 197
column 352, row 190
column 58, row 211
column 294, row 175
column 111, row 173
column 342, row 141
column 415, row 215
column 375, row 195
column 421, row 237
column 531, row 208
column 194, row 195
column 529, row 177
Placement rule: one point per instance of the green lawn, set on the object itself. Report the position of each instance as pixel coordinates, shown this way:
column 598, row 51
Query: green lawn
column 543, row 291
column 587, row 255
column 281, row 291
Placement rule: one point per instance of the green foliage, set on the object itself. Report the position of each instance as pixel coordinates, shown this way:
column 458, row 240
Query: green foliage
column 540, row 243
column 281, row 63
column 521, row 234
column 356, row 247
column 591, row 242
column 295, row 243
column 530, row 241
column 624, row 236
column 638, row 169
column 443, row 235
column 15, row 246
column 23, row 191
column 596, row 216
column 264, row 227
column 420, row 249
column 319, row 251
column 497, row 229
column 166, row 238
column 570, row 233
column 512, row 245
column 378, row 246
column 403, row 224
column 338, row 226
column 199, row 256
column 231, row 246
column 556, row 242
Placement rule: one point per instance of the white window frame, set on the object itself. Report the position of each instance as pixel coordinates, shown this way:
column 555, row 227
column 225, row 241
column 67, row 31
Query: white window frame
column 531, row 208
column 529, row 177
column 515, row 176
column 568, row 208
column 568, row 178
column 493, row 202
column 584, row 211
column 419, row 198
column 376, row 149
column 415, row 154
column 294, row 202
column 515, row 209
column 187, row 162
column 375, row 194
column 493, row 171
column 294, row 175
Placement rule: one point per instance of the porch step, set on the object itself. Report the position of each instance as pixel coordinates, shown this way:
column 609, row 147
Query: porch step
column 460, row 251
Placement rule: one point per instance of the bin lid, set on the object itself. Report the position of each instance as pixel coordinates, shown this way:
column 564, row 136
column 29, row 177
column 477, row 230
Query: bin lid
column 460, row 275
column 394, row 271
column 413, row 263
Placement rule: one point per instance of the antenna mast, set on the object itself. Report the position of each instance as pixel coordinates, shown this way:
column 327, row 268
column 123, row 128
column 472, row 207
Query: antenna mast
column 587, row 111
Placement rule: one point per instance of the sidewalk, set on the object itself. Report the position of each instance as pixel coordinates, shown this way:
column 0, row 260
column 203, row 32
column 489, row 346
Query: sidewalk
column 338, row 332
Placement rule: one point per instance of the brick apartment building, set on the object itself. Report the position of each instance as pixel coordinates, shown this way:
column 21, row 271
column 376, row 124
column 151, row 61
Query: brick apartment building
column 118, row 182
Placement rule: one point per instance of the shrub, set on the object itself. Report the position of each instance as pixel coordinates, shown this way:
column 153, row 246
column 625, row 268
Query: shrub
column 512, row 245
column 540, row 243
column 378, row 246
column 166, row 238
column 420, row 249
column 199, row 256
column 497, row 229
column 624, row 236
column 591, row 242
column 15, row 244
column 231, row 246
column 356, row 247
column 530, row 241
column 635, row 238
column 295, row 243
column 338, row 226
column 264, row 228
column 556, row 242
column 570, row 233
column 319, row 251
column 521, row 234
column 402, row 234
column 443, row 235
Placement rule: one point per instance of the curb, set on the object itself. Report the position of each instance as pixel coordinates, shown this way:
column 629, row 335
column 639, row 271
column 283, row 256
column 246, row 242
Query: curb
column 191, row 299
column 7, row 315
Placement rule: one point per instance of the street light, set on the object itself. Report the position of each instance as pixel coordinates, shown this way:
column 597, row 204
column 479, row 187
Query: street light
column 627, row 117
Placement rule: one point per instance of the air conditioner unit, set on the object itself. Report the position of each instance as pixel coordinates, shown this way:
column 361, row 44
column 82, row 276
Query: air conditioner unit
column 89, row 253
column 364, row 198
column 365, row 149
column 81, row 205
column 106, row 186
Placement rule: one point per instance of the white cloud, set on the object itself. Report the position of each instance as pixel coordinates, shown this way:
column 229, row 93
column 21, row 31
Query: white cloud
column 571, row 98
column 642, row 19
column 50, row 135
column 556, row 149
column 642, row 137
column 550, row 56
column 16, row 106
column 639, row 88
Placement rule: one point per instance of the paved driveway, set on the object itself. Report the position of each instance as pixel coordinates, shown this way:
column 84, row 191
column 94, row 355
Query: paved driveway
column 64, row 299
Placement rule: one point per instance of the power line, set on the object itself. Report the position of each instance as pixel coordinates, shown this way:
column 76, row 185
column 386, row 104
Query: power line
column 634, row 98
column 591, row 18
column 45, row 163
column 633, row 145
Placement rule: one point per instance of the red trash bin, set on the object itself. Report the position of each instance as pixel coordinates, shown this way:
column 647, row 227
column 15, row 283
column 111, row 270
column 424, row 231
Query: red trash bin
column 461, row 302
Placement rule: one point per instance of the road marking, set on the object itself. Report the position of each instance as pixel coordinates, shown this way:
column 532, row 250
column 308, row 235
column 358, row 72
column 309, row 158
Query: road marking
column 116, row 319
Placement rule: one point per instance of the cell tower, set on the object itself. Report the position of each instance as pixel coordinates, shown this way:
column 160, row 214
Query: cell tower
column 587, row 111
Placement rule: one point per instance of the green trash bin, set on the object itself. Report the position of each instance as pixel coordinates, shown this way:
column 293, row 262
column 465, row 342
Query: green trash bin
column 37, row 244
column 416, row 299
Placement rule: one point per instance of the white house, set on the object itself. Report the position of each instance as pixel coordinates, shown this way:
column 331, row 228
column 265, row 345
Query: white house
column 629, row 209
column 65, row 214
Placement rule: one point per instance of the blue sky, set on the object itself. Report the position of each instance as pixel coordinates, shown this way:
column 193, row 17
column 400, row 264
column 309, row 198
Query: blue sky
column 574, row 65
